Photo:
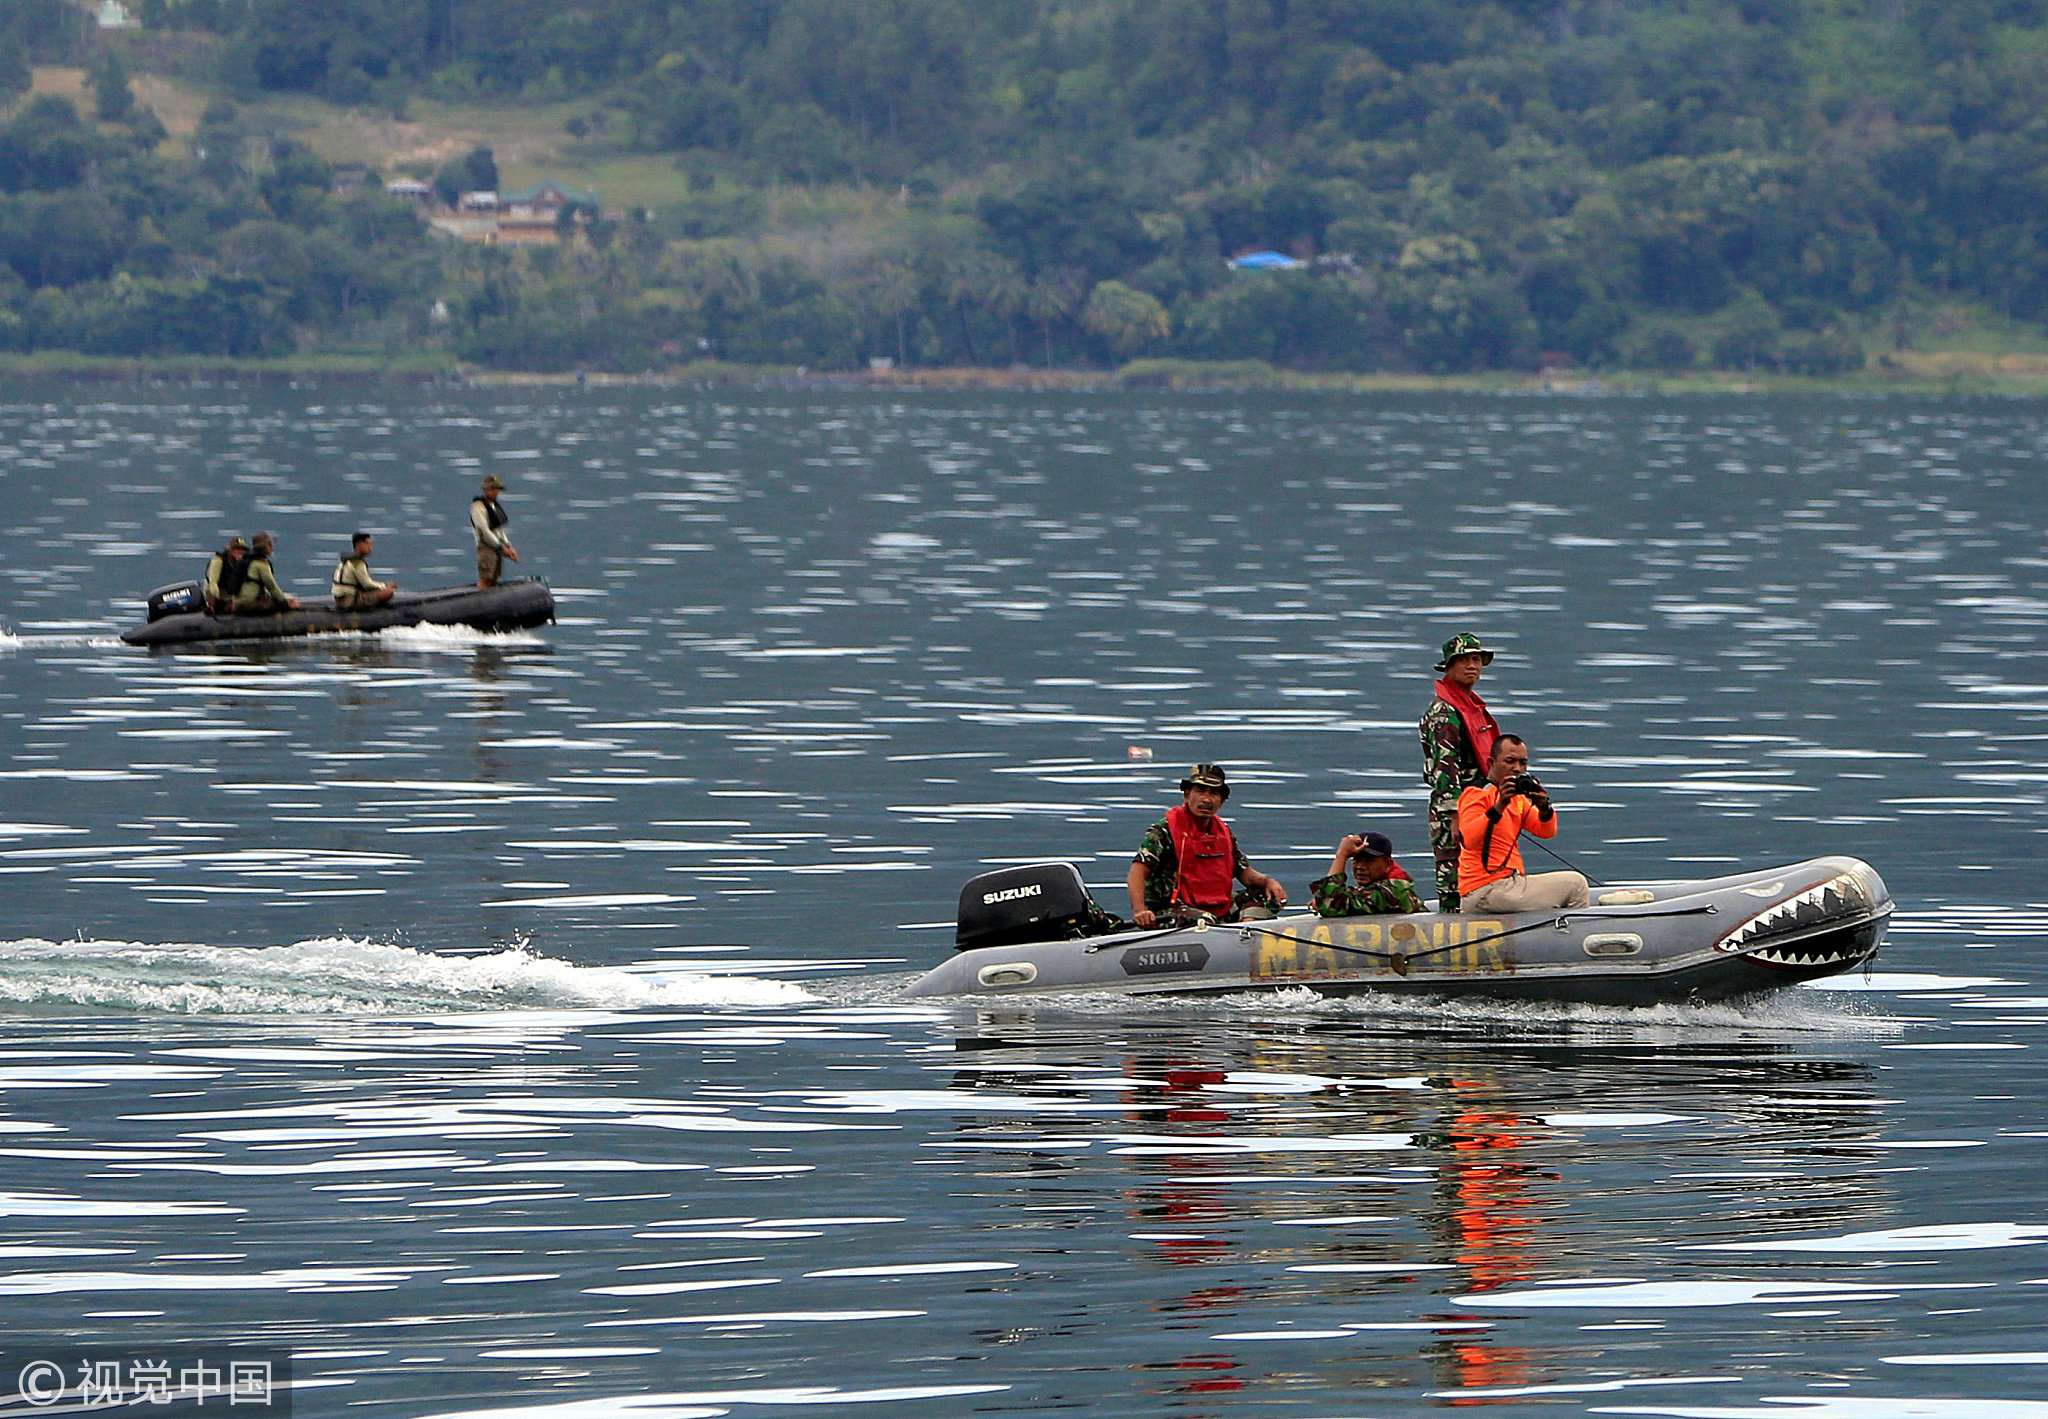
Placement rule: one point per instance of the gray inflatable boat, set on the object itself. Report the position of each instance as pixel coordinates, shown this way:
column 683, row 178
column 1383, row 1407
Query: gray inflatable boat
column 177, row 614
column 1645, row 944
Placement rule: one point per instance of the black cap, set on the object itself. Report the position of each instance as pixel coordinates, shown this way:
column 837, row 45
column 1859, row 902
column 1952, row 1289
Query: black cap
column 1206, row 776
column 1376, row 845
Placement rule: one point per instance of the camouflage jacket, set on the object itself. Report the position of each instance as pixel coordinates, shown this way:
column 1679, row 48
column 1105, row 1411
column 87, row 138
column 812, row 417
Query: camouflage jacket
column 1449, row 763
column 1156, row 852
column 1334, row 896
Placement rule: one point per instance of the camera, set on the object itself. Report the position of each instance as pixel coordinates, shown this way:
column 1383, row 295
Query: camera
column 1528, row 785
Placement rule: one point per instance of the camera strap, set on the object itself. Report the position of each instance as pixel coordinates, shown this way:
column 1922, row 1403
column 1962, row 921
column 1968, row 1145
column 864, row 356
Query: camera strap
column 1486, row 848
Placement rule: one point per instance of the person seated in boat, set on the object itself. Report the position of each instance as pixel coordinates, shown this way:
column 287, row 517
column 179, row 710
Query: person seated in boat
column 1379, row 885
column 1491, row 819
column 260, row 594
column 487, row 520
column 354, row 588
column 225, row 572
column 1190, row 864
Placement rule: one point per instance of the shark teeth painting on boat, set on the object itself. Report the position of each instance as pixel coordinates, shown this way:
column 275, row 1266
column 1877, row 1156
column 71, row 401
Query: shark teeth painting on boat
column 1805, row 928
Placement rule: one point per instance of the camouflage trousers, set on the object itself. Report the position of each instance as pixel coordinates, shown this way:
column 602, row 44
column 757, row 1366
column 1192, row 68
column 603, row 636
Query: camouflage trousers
column 1443, row 841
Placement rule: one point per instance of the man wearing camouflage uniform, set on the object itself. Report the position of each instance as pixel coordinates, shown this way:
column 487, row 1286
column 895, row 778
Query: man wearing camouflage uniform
column 1452, row 760
column 1189, row 862
column 1380, row 886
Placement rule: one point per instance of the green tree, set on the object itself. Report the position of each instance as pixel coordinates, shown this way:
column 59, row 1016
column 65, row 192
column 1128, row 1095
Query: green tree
column 1664, row 348
column 113, row 100
column 889, row 289
column 220, row 144
column 1129, row 320
column 475, row 171
column 1293, row 318
column 15, row 73
column 1073, row 220
column 1749, row 334
column 69, row 238
column 1051, row 298
column 46, row 147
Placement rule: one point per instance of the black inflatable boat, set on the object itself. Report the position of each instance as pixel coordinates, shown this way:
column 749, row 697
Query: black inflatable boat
column 177, row 614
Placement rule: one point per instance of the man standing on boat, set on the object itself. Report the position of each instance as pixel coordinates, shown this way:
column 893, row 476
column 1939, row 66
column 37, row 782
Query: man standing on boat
column 260, row 594
column 1189, row 861
column 1380, row 886
column 1491, row 818
column 488, row 521
column 1458, row 733
column 354, row 588
column 225, row 573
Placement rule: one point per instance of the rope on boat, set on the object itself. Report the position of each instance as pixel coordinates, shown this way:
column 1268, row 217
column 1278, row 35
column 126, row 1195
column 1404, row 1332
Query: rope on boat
column 1400, row 960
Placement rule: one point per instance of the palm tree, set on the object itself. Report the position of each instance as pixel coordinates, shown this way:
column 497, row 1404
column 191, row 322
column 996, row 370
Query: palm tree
column 1053, row 296
column 982, row 278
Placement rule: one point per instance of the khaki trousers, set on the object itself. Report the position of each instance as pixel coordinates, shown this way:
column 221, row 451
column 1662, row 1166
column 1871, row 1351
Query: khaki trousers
column 1519, row 892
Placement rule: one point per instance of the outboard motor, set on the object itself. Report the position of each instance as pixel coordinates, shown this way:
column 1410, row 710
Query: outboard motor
column 177, row 599
column 1043, row 901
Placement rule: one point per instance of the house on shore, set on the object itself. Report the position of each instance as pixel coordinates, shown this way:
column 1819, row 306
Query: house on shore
column 531, row 216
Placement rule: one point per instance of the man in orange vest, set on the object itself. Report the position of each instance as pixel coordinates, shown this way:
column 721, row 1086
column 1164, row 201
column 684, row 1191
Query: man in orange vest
column 1491, row 817
column 1190, row 862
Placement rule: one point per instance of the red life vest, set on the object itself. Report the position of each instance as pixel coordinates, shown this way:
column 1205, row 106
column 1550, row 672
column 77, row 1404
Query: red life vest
column 1205, row 862
column 1480, row 725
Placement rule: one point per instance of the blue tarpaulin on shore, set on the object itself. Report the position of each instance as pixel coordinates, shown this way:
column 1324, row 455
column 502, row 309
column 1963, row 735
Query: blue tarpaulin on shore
column 1264, row 261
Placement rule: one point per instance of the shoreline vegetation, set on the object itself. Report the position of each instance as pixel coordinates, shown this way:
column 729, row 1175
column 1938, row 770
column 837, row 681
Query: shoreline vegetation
column 1945, row 374
column 1326, row 195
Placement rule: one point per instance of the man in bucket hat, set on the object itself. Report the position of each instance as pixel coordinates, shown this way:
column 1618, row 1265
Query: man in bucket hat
column 1458, row 734
column 1189, row 862
column 1381, row 886
column 488, row 521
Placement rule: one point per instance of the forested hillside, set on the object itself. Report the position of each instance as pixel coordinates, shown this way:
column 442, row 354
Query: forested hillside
column 1801, row 185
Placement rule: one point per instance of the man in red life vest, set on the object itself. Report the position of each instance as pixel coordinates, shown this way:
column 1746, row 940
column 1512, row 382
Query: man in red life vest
column 1190, row 862
column 1491, row 818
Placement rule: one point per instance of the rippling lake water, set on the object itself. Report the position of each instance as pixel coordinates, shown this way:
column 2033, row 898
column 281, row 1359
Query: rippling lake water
column 514, row 1023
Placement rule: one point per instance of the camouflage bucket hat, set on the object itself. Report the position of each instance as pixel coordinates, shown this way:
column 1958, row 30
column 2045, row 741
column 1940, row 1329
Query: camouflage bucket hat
column 491, row 481
column 1206, row 776
column 1464, row 643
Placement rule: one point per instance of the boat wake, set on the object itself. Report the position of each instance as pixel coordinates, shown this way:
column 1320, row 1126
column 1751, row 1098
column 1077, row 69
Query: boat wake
column 1799, row 1011
column 10, row 640
column 346, row 977
column 425, row 637
column 417, row 638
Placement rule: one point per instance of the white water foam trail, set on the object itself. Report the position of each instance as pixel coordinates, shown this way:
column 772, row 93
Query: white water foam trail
column 11, row 640
column 343, row 976
column 1798, row 1011
column 426, row 638
column 450, row 637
